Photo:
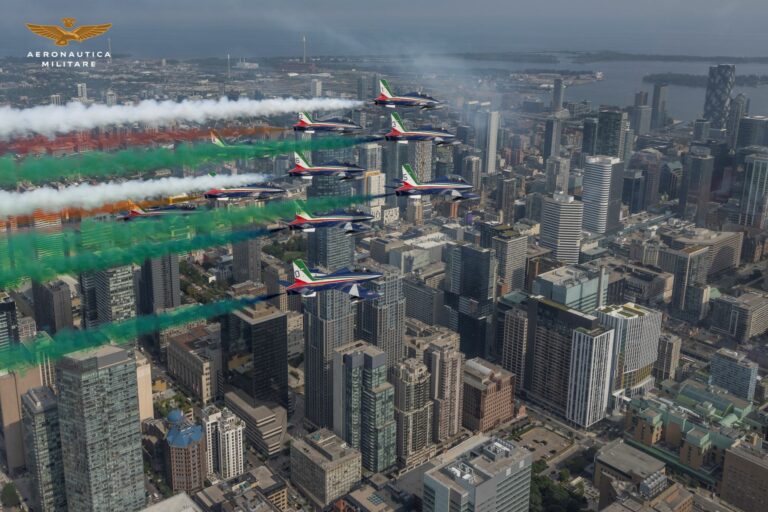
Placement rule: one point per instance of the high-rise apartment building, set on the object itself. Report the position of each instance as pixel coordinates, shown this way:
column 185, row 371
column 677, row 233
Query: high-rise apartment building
column 558, row 170
column 552, row 132
column 590, row 375
column 230, row 447
column 363, row 407
column 100, row 432
column 718, row 96
column 185, row 457
column 494, row 477
column 733, row 372
column 575, row 286
column 114, row 295
column 668, row 357
column 381, row 321
column 589, row 137
column 9, row 324
column 637, row 330
column 690, row 293
column 413, row 412
column 754, row 195
column 42, row 442
column 561, row 221
column 602, row 186
column 420, row 158
column 446, row 388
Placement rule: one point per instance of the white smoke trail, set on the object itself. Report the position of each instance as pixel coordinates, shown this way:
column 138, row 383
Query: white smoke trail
column 91, row 196
column 51, row 119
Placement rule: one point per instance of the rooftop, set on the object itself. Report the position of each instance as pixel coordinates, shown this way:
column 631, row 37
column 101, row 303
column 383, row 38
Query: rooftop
column 627, row 460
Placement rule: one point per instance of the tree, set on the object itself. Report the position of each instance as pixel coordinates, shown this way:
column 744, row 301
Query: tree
column 9, row 496
column 565, row 475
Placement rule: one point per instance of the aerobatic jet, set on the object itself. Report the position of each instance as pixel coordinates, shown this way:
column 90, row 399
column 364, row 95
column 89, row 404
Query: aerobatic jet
column 400, row 134
column 389, row 99
column 455, row 189
column 255, row 191
column 336, row 124
column 160, row 211
column 349, row 222
column 305, row 170
column 308, row 282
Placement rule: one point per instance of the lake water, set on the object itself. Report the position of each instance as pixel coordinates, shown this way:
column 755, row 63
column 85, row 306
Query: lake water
column 623, row 79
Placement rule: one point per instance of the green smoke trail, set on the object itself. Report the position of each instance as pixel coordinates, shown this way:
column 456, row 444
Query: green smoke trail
column 136, row 161
column 26, row 355
column 100, row 245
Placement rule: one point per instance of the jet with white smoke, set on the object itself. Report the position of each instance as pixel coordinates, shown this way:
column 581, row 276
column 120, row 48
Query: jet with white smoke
column 49, row 120
column 91, row 196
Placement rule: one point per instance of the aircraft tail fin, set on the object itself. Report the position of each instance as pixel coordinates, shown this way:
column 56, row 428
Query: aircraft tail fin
column 300, row 161
column 301, row 272
column 217, row 140
column 302, row 214
column 384, row 90
column 397, row 123
column 305, row 118
column 409, row 177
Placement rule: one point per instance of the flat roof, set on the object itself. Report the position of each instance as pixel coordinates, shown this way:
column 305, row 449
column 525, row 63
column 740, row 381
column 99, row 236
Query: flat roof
column 628, row 460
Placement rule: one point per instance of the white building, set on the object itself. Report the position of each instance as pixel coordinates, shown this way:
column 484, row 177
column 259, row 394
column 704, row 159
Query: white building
column 596, row 190
column 224, row 438
column 590, row 374
column 561, row 221
column 637, row 331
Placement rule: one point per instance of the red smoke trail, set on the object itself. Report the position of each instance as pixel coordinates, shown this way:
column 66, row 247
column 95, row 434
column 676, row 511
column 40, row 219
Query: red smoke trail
column 117, row 138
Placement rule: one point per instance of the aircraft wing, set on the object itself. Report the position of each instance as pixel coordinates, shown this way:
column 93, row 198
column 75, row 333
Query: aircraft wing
column 358, row 292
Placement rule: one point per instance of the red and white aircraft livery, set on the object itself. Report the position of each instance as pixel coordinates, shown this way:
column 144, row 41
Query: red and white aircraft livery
column 456, row 189
column 336, row 124
column 307, row 282
column 389, row 99
column 305, row 170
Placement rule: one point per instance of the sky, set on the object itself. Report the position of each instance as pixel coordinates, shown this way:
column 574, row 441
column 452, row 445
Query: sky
column 263, row 28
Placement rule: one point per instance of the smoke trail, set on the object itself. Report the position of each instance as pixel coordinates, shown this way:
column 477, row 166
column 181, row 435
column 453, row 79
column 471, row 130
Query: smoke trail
column 99, row 245
column 26, row 355
column 51, row 119
column 91, row 196
column 119, row 139
column 137, row 161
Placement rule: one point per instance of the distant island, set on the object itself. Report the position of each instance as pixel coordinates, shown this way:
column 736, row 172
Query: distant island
column 685, row 80
column 608, row 56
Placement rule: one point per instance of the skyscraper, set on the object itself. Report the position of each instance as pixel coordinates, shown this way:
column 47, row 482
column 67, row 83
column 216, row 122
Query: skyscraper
column 100, row 432
column 491, row 143
column 42, row 441
column 739, row 108
column 246, row 261
column 668, row 358
column 590, row 375
column 552, row 132
column 559, row 337
column 381, row 321
column 363, row 407
column 446, row 389
column 637, row 331
column 230, row 434
column 754, row 195
column 370, row 156
column 558, row 170
column 698, row 166
column 114, row 295
column 589, row 137
column 420, row 158
column 659, row 106
column 558, row 92
column 413, row 412
column 159, row 284
column 601, row 197
column 612, row 124
column 690, row 293
column 640, row 119
column 718, row 95
column 53, row 306
column 735, row 373
column 261, row 332
column 493, row 477
column 561, row 221
column 471, row 169
column 470, row 290
column 185, row 458
column 511, row 249
column 9, row 325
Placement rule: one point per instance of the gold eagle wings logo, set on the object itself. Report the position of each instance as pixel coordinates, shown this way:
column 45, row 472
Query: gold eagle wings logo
column 63, row 35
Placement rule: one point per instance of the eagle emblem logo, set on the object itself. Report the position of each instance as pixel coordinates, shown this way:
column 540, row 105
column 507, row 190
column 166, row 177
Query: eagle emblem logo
column 63, row 35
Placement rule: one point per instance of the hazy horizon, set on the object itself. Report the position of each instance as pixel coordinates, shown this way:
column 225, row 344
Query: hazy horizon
column 190, row 28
